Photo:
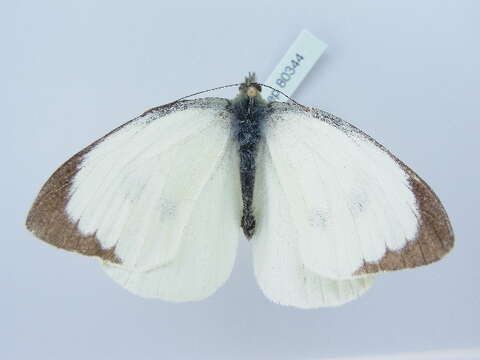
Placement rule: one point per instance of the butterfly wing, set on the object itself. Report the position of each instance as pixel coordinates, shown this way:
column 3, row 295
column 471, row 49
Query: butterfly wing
column 280, row 271
column 208, row 244
column 140, row 198
column 355, row 207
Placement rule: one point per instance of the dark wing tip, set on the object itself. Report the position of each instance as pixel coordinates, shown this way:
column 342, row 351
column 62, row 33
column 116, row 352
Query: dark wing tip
column 434, row 238
column 49, row 221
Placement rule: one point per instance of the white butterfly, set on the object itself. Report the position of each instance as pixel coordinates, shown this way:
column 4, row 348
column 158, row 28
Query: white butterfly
column 163, row 200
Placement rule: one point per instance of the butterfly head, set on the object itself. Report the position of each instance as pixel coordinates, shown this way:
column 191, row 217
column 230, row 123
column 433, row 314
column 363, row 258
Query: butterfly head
column 250, row 87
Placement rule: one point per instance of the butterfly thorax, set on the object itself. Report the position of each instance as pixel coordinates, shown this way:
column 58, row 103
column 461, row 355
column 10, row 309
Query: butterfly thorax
column 249, row 110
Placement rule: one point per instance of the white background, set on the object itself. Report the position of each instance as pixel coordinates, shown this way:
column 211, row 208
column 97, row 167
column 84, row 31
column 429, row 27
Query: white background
column 407, row 72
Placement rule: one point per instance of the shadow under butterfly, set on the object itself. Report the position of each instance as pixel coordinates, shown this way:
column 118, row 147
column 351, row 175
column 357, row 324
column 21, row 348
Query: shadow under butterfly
column 163, row 200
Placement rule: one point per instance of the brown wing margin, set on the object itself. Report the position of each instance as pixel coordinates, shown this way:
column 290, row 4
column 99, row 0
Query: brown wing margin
column 434, row 238
column 48, row 220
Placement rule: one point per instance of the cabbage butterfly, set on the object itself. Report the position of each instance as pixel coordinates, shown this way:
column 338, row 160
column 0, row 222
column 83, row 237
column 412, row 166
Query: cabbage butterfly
column 163, row 199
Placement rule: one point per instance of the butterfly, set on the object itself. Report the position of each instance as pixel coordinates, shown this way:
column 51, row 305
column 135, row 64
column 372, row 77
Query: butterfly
column 164, row 199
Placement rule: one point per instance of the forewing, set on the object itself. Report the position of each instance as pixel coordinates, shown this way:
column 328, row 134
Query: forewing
column 130, row 197
column 356, row 207
column 279, row 267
